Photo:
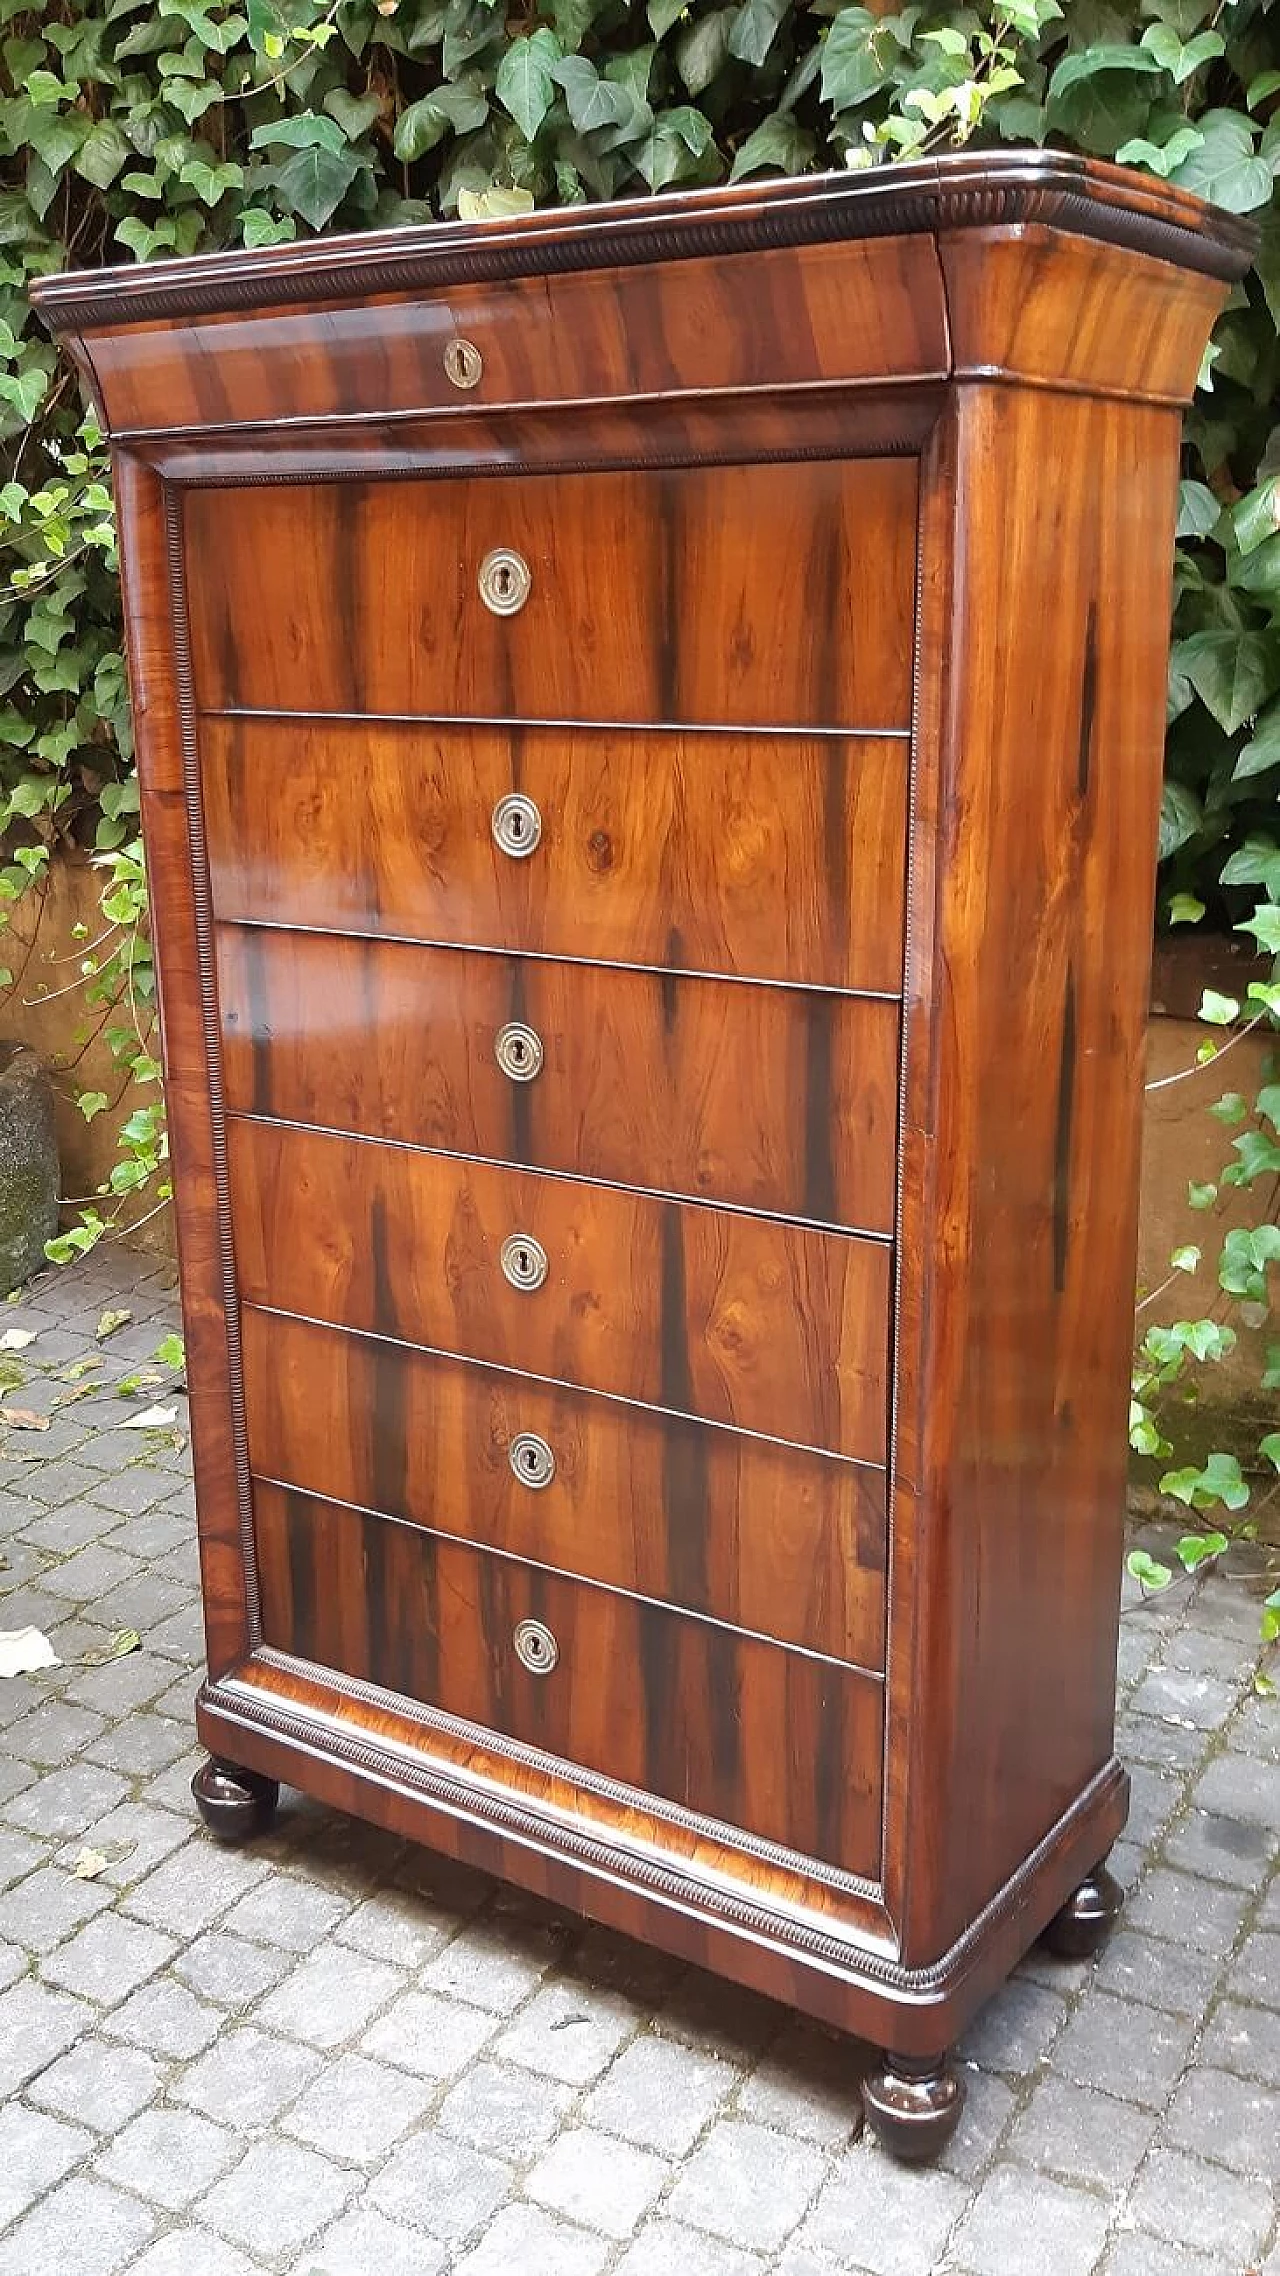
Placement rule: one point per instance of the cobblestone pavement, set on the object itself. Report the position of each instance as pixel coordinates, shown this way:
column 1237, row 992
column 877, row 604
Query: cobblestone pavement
column 334, row 2053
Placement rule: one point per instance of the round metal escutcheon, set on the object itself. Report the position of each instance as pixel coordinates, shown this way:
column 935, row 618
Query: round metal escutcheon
column 517, row 824
column 536, row 1647
column 463, row 363
column 531, row 1459
column 517, row 1047
column 524, row 1260
column 504, row 581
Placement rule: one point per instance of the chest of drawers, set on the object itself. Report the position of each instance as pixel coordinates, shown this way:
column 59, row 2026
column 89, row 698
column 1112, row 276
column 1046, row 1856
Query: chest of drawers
column 650, row 725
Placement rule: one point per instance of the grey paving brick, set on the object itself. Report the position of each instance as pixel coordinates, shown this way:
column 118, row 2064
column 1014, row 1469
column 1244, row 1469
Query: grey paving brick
column 1230, row 2120
column 280, row 2192
column 48, row 1906
column 1166, row 1746
column 617, row 1963
column 1157, row 1973
column 180, row 1637
column 190, row 2251
column 807, row 2084
column 747, row 2184
column 365, row 2243
column 13, row 1964
column 1151, row 2256
column 489, row 1969
column 434, row 2038
column 1221, row 1849
column 130, row 1492
column 1154, row 1797
column 171, row 1790
column 1081, row 2135
column 283, row 1911
column 92, row 1575
column 36, row 2151
column 1193, row 2203
column 1257, row 1971
column 63, row 1518
column 1255, row 1730
column 53, row 1732
column 169, row 2156
column 396, row 1925
column 108, row 1958
column 330, row 1997
column 229, row 1970
column 601, row 2183
column 188, row 1892
column 248, row 2078
column 664, row 2247
column 1016, row 2028
column 869, row 2216
column 123, row 1684
column 36, row 2025
column 358, row 2110
column 706, row 2011
column 662, row 2094
column 165, row 2019
column 1024, row 2221
column 84, row 2227
column 1188, row 1910
column 104, row 2087
column 988, row 2105
column 68, row 1801
column 19, row 1855
column 1135, row 2053
column 508, row 2113
column 525, row 2241
column 14, row 1775
column 141, row 1744
column 568, row 2033
column 134, row 1840
column 1187, row 1695
column 1241, row 1786
column 1245, row 2040
column 441, row 2186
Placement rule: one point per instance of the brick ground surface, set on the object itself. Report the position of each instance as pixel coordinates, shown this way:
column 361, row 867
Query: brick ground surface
column 333, row 2053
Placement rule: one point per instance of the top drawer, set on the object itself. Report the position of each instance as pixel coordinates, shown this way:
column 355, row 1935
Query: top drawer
column 858, row 311
column 777, row 595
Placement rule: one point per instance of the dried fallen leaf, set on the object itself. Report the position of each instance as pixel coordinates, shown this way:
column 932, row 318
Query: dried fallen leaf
column 23, row 1418
column 109, row 1323
column 17, row 1339
column 79, row 1368
column 23, row 1650
column 151, row 1418
column 124, row 1641
column 91, row 1862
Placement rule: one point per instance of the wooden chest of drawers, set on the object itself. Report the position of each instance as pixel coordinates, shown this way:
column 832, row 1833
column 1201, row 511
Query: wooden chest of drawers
column 650, row 728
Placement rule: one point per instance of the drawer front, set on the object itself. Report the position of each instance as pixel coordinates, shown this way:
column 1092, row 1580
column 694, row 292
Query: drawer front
column 829, row 312
column 777, row 1099
column 770, row 858
column 760, row 595
column 783, row 1745
column 768, row 1538
column 743, row 1320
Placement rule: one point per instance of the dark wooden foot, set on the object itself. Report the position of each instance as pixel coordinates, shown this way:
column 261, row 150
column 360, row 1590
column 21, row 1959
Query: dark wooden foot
column 913, row 2105
column 1082, row 1926
column 235, row 1804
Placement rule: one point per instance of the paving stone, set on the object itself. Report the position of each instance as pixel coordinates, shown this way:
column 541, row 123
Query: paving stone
column 1257, row 1970
column 1240, row 1786
column 284, row 1911
column 1157, row 1973
column 142, row 1837
column 808, row 2085
column 1186, row 1695
column 82, row 2229
column 1147, row 2256
column 1256, row 1730
column 68, row 1801
column 507, row 2112
column 1192, row 2203
column 1135, row 2053
column 442, row 2187
column 490, row 1970
column 108, row 1959
column 73, row 1520
column 165, row 2019
column 171, row 1790
column 365, row 2243
column 188, row 1892
column 434, row 2038
column 876, row 2215
column 524, row 2241
column 19, row 1855
column 330, row 1997
column 1176, row 1747
column 92, row 1575
column 134, row 1490
column 747, row 2184
column 1016, row 2028
column 1232, row 2121
column 248, row 2078
column 49, row 1905
column 1153, row 1798
column 13, row 1964
column 35, row 2153
column 706, row 2011
column 123, row 1684
column 661, row 2095
column 1021, row 2220
column 1222, row 1849
column 1188, row 1910
column 597, row 2181
column 1245, row 2040
column 567, row 2033
column 228, row 1970
column 1081, row 2135
column 617, row 1963
column 168, row 2156
column 193, row 2252
column 664, row 2248
column 988, row 2105
column 280, row 2192
column 142, row 1744
column 358, row 2110
column 53, row 1732
column 396, row 1925
column 14, row 1775
column 36, row 2025
column 102, row 2086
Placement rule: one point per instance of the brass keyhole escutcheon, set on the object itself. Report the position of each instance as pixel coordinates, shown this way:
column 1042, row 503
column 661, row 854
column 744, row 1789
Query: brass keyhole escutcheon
column 504, row 581
column 517, row 1047
column 517, row 825
column 536, row 1647
column 531, row 1459
column 463, row 363
column 524, row 1260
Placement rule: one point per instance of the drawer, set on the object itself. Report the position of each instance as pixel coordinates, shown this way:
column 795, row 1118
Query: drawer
column 862, row 310
column 743, row 1320
column 783, row 1745
column 761, row 595
column 778, row 858
column 775, row 1098
column 768, row 1538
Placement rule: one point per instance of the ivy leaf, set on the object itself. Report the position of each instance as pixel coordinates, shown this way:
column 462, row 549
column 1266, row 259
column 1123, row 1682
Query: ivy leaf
column 701, row 50
column 1256, row 862
column 1185, row 909
column 1220, row 1011
column 1199, row 511
column 592, row 102
column 1196, row 1549
column 257, row 227
column 211, row 183
column 309, row 131
column 1160, row 158
column 663, row 14
column 461, row 108
column 314, row 181
column 102, row 155
column 1225, row 169
column 1233, row 673
column 1220, row 1480
column 1180, row 61
column 1181, row 817
column 355, row 114
column 1262, row 751
column 756, row 29
column 1264, row 924
column 779, row 143
column 1269, row 1448
column 677, row 139
column 525, row 84
column 1256, row 517
column 1144, row 1569
column 856, row 59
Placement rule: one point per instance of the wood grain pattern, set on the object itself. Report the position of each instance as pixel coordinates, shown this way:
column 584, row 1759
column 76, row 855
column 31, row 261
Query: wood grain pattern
column 765, row 1326
column 773, row 859
column 782, row 597
column 869, row 311
column 775, row 1099
column 780, row 1743
column 766, row 1538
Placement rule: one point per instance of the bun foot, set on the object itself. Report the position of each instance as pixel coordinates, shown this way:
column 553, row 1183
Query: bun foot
column 235, row 1804
column 913, row 2105
column 1082, row 1926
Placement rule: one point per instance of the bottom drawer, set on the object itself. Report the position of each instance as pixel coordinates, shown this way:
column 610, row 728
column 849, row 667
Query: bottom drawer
column 777, row 1742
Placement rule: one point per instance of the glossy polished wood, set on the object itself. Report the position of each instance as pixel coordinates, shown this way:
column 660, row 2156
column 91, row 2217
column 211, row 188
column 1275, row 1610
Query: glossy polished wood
column 771, row 858
column 771, row 1327
column 788, row 1544
column 776, row 1099
column 781, row 597
column 783, row 1744
column 757, row 575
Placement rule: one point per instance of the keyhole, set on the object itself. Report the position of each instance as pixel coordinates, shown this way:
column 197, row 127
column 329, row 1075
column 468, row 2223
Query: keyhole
column 462, row 363
column 519, row 1051
column 505, row 581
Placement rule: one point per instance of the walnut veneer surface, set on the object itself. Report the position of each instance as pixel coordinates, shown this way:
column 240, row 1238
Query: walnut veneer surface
column 718, row 643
